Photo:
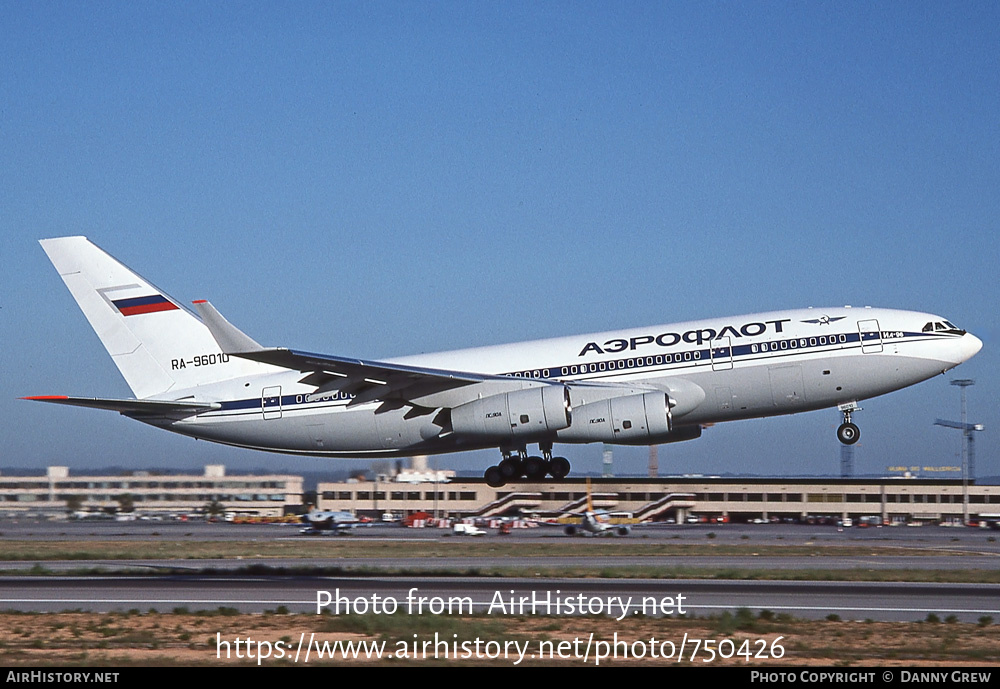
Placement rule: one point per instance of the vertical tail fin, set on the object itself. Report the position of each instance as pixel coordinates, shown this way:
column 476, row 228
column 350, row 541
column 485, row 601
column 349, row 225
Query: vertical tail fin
column 157, row 344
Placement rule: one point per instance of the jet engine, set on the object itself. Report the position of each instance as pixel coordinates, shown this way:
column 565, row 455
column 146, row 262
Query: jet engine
column 521, row 414
column 641, row 419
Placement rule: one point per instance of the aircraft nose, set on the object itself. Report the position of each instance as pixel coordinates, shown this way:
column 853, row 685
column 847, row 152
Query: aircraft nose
column 970, row 346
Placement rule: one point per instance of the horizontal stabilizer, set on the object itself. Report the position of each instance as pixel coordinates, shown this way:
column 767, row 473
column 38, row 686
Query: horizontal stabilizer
column 130, row 407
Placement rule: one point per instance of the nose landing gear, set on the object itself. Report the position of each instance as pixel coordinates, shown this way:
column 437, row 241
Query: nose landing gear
column 517, row 464
column 847, row 432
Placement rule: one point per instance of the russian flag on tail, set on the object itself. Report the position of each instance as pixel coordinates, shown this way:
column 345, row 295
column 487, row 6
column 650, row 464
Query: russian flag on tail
column 138, row 305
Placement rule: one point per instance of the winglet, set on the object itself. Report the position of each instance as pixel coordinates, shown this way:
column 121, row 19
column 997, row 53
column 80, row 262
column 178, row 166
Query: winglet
column 231, row 339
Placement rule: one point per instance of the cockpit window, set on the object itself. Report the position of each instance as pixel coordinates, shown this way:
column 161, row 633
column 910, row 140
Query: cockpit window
column 942, row 327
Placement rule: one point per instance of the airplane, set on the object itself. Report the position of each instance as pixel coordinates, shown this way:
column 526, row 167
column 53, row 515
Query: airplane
column 196, row 374
column 593, row 521
column 320, row 521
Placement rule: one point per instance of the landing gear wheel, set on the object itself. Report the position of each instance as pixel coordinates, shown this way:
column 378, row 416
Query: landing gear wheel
column 534, row 468
column 559, row 467
column 494, row 479
column 848, row 433
column 511, row 468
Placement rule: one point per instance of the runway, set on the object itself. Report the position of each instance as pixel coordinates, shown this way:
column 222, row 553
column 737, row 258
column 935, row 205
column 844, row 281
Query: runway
column 974, row 540
column 431, row 564
column 606, row 597
column 250, row 584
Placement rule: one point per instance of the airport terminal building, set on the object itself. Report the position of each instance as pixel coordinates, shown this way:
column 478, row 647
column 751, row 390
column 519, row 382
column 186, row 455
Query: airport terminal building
column 149, row 493
column 889, row 500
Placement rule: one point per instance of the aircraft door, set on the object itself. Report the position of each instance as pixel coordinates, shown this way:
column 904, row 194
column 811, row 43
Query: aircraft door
column 871, row 336
column 270, row 402
column 787, row 390
column 722, row 354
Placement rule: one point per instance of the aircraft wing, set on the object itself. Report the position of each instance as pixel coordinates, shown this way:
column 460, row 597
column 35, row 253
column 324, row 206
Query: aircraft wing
column 130, row 407
column 400, row 384
column 366, row 380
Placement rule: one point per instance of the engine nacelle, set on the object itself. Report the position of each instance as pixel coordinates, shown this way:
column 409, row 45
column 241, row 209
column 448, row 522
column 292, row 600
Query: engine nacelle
column 533, row 412
column 642, row 419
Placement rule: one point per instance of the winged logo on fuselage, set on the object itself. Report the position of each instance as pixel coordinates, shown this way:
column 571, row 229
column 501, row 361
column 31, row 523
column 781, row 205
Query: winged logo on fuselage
column 825, row 320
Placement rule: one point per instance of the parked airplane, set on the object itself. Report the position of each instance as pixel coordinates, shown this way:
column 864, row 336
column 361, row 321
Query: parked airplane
column 202, row 377
column 594, row 522
column 335, row 522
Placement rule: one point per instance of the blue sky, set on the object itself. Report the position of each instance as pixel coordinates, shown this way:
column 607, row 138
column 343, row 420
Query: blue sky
column 379, row 179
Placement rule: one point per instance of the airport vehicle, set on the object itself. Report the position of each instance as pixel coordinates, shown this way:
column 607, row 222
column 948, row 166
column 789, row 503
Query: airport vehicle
column 320, row 521
column 414, row 519
column 460, row 529
column 201, row 376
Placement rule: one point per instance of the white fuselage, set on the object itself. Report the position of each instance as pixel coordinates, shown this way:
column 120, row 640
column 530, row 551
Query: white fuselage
column 712, row 370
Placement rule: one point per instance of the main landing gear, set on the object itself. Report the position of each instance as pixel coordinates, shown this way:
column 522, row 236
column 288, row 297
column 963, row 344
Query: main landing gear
column 848, row 433
column 518, row 464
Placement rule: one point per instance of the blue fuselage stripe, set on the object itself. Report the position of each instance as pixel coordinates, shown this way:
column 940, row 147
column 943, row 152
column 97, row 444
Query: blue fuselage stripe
column 686, row 358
